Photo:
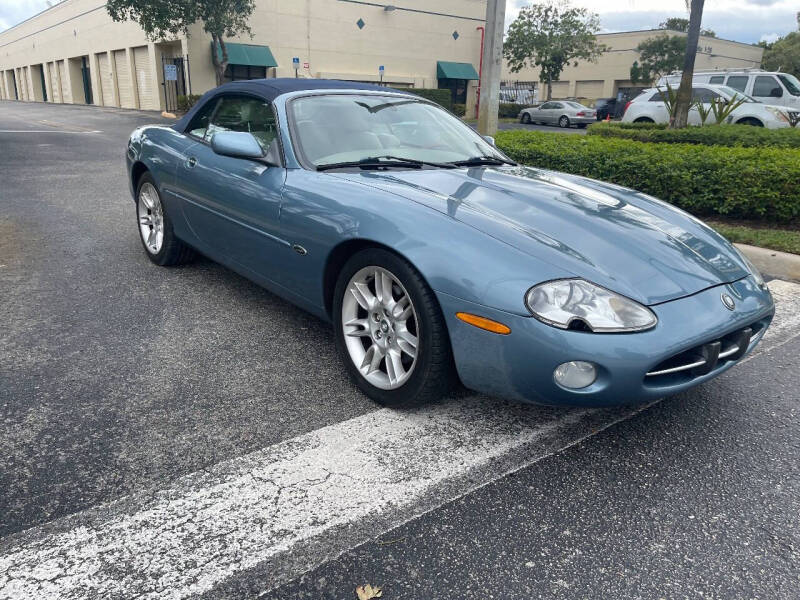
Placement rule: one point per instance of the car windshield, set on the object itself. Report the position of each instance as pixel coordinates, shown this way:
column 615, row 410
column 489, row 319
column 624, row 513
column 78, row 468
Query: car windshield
column 732, row 92
column 331, row 129
column 791, row 83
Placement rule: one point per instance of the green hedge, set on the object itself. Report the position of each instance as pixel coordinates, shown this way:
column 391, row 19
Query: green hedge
column 441, row 97
column 710, row 135
column 511, row 111
column 187, row 102
column 749, row 183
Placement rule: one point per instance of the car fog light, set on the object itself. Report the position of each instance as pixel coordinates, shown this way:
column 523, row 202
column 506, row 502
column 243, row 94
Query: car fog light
column 575, row 374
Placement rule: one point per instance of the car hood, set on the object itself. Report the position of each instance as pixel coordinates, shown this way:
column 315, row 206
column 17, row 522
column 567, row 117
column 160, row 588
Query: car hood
column 623, row 240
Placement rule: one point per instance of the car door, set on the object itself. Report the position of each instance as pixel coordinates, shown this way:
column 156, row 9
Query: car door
column 704, row 96
column 232, row 205
column 767, row 89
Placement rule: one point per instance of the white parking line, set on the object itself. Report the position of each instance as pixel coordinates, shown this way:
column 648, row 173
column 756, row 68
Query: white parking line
column 388, row 466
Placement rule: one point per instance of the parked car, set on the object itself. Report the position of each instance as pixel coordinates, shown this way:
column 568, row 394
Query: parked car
column 605, row 107
column 564, row 113
column 436, row 256
column 769, row 87
column 649, row 107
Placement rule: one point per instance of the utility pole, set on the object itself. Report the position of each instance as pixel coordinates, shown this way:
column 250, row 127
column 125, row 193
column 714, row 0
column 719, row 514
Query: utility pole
column 492, row 66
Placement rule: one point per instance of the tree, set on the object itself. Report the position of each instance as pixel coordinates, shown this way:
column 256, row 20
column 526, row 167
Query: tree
column 164, row 19
column 784, row 53
column 552, row 36
column 680, row 24
column 658, row 56
column 683, row 99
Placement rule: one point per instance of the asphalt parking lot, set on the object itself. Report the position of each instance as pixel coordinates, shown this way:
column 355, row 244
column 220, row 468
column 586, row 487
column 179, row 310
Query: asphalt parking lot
column 171, row 433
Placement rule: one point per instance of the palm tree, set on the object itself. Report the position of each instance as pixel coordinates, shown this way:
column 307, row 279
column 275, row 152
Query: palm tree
column 684, row 97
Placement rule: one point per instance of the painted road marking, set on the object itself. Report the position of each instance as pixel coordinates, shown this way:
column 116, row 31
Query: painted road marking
column 385, row 466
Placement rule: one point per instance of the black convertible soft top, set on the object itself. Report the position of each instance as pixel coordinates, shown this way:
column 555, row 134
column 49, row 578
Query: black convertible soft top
column 272, row 88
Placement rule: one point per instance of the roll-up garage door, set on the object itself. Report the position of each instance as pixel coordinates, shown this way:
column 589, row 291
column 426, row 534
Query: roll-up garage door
column 559, row 89
column 124, row 83
column 66, row 96
column 589, row 89
column 106, row 79
column 144, row 80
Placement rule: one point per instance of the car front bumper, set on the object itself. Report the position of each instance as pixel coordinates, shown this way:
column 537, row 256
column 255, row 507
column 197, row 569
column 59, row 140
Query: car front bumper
column 520, row 365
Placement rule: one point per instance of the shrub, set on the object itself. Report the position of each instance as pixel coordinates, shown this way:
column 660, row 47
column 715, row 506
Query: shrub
column 710, row 135
column 187, row 102
column 459, row 109
column 510, row 110
column 704, row 180
column 441, row 97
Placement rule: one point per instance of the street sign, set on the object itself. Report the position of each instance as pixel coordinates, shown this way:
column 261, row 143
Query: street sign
column 306, row 65
column 381, row 68
column 296, row 61
column 170, row 72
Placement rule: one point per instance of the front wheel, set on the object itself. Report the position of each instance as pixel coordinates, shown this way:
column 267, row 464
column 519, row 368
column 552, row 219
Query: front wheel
column 526, row 118
column 563, row 122
column 390, row 331
column 155, row 227
column 644, row 120
column 750, row 121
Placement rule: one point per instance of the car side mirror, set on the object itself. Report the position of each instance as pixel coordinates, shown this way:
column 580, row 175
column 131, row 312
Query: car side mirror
column 775, row 92
column 489, row 139
column 237, row 144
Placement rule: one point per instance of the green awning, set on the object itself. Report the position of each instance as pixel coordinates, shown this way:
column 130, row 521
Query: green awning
column 249, row 55
column 455, row 70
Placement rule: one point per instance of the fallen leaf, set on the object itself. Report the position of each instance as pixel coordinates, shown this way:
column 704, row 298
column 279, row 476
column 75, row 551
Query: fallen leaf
column 367, row 592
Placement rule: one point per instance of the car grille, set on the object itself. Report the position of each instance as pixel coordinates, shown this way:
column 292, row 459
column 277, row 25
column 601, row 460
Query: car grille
column 702, row 360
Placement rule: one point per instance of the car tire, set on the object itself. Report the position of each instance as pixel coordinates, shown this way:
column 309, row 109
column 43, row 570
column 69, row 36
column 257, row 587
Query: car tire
column 581, row 125
column 750, row 121
column 374, row 332
column 526, row 118
column 155, row 227
column 644, row 120
column 563, row 122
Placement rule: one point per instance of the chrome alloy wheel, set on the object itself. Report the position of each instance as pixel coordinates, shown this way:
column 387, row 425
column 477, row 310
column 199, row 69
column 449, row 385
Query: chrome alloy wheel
column 151, row 218
column 381, row 329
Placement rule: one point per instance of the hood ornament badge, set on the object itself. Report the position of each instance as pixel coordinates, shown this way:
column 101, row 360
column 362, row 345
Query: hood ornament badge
column 728, row 302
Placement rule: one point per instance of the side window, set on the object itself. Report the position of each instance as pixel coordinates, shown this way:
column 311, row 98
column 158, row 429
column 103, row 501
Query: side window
column 703, row 95
column 657, row 97
column 546, row 106
column 766, row 86
column 717, row 79
column 199, row 124
column 245, row 113
column 738, row 82
column 557, row 105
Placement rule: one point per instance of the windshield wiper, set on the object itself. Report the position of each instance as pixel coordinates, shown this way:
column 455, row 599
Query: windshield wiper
column 376, row 162
column 477, row 161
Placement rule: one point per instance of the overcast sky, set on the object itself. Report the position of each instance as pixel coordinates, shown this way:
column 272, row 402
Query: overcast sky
column 740, row 20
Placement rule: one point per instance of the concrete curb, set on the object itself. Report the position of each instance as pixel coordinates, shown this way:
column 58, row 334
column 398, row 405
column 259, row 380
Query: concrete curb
column 772, row 263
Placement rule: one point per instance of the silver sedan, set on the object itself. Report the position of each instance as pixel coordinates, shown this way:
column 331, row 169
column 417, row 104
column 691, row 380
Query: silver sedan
column 563, row 113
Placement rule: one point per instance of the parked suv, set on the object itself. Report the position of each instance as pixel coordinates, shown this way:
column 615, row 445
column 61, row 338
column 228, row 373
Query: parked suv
column 769, row 87
column 649, row 107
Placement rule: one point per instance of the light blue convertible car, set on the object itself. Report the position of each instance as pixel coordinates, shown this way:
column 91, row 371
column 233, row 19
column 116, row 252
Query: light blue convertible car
column 437, row 257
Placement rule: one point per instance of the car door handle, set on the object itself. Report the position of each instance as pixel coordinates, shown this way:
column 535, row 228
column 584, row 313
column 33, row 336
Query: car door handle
column 191, row 162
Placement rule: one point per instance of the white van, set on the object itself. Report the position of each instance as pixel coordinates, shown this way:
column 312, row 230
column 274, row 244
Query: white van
column 769, row 87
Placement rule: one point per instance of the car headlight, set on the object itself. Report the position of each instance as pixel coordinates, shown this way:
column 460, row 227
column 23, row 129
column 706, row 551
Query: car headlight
column 578, row 304
column 759, row 278
column 778, row 113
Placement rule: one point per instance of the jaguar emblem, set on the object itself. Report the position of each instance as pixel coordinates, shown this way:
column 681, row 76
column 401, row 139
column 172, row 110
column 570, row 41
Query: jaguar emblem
column 728, row 302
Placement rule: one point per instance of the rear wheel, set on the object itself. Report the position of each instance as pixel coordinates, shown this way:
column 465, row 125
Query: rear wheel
column 390, row 331
column 581, row 125
column 643, row 120
column 563, row 121
column 155, row 227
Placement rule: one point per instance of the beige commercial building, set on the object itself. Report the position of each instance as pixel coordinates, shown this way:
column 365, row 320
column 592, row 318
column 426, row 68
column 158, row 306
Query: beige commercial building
column 609, row 77
column 74, row 53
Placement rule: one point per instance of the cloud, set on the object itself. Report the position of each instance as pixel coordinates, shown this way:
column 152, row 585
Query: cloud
column 13, row 13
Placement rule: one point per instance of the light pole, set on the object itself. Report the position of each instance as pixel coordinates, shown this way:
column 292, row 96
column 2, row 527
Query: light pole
column 492, row 60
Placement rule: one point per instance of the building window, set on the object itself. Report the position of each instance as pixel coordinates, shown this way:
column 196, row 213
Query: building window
column 244, row 72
